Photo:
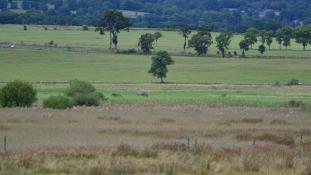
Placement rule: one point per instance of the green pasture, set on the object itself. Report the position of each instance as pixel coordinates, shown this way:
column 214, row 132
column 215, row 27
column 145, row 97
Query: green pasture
column 171, row 40
column 260, row 96
column 56, row 65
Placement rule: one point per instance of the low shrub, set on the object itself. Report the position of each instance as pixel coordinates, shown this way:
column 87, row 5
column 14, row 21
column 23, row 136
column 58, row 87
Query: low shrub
column 17, row 94
column 25, row 28
column 129, row 51
column 57, row 102
column 86, row 99
column 296, row 104
column 293, row 82
column 85, row 28
column 79, row 87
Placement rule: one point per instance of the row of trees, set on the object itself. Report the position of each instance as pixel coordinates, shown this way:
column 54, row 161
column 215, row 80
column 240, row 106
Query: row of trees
column 236, row 15
column 114, row 21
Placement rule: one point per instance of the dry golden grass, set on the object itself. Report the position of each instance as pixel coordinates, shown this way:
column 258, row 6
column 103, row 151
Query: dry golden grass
column 156, row 139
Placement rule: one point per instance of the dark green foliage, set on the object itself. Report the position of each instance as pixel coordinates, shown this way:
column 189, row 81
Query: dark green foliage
column 113, row 21
column 251, row 36
column 302, row 35
column 84, row 94
column 85, row 28
column 293, row 82
column 17, row 94
column 57, row 102
column 87, row 99
column 25, row 28
column 79, row 87
column 244, row 46
column 284, row 36
column 200, row 43
column 262, row 49
column 157, row 36
column 3, row 4
column 185, row 31
column 159, row 65
column 223, row 41
column 146, row 42
column 236, row 15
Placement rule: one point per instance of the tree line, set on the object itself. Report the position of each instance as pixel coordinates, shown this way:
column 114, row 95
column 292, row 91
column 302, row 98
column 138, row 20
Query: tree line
column 113, row 21
column 235, row 15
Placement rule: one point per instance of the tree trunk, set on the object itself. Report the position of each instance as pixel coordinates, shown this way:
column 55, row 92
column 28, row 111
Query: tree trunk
column 162, row 81
column 304, row 47
column 110, row 42
column 185, row 44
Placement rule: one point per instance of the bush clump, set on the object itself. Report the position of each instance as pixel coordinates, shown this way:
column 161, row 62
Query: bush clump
column 85, row 28
column 293, row 82
column 57, row 102
column 83, row 93
column 17, row 94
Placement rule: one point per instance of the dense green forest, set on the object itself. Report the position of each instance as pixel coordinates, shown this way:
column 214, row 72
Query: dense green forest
column 235, row 15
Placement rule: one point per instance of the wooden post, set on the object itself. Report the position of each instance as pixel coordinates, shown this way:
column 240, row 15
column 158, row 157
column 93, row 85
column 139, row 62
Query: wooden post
column 301, row 138
column 188, row 143
column 254, row 141
column 4, row 145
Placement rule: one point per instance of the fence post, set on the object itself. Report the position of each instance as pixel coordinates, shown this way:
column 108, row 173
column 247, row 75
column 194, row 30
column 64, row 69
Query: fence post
column 301, row 137
column 254, row 141
column 4, row 144
column 188, row 143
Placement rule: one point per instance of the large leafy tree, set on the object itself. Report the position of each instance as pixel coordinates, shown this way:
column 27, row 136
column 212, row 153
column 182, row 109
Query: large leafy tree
column 146, row 42
column 157, row 36
column 269, row 38
column 200, row 43
column 223, row 41
column 302, row 34
column 185, row 31
column 287, row 35
column 113, row 21
column 244, row 46
column 159, row 65
column 251, row 36
column 284, row 36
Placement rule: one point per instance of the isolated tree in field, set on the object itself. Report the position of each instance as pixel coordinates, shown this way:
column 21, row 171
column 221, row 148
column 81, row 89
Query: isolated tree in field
column 200, row 43
column 223, row 41
column 113, row 21
column 251, row 36
column 159, row 65
column 157, row 36
column 269, row 38
column 302, row 34
column 146, row 42
column 244, row 46
column 185, row 31
column 262, row 49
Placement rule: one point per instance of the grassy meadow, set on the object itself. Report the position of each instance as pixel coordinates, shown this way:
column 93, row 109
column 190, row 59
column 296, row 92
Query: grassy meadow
column 171, row 40
column 213, row 115
column 55, row 65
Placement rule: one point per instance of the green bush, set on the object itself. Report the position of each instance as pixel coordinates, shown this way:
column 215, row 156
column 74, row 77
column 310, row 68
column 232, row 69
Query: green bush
column 77, row 87
column 86, row 99
column 57, row 102
column 17, row 94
